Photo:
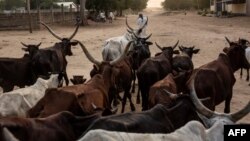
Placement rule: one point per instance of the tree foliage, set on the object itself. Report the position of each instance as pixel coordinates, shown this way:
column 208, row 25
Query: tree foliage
column 185, row 4
column 11, row 4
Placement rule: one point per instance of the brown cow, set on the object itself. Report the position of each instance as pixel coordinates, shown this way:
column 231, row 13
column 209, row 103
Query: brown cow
column 154, row 69
column 63, row 126
column 79, row 98
column 216, row 79
column 172, row 84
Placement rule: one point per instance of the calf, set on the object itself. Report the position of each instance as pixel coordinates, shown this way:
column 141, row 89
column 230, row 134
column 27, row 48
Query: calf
column 172, row 84
column 153, row 70
column 18, row 102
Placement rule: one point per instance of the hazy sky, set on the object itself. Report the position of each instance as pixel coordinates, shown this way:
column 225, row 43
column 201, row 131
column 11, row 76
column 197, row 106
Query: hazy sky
column 154, row 3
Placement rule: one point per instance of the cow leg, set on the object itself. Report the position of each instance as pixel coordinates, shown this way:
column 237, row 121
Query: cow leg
column 144, row 96
column 247, row 74
column 227, row 103
column 134, row 79
column 124, row 101
column 65, row 75
column 240, row 72
column 128, row 94
column 138, row 100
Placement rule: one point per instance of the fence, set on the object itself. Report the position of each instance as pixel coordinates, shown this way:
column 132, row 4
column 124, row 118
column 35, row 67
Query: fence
column 20, row 20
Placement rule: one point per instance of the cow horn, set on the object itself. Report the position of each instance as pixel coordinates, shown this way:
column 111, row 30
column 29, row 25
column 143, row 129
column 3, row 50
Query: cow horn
column 93, row 105
column 176, row 44
column 205, row 99
column 192, row 47
column 228, row 40
column 148, row 36
column 129, row 31
column 240, row 114
column 158, row 46
column 171, row 95
column 51, row 31
column 73, row 35
column 39, row 44
column 8, row 136
column 199, row 106
column 122, row 55
column 24, row 44
column 144, row 25
column 128, row 25
column 135, row 35
column 88, row 55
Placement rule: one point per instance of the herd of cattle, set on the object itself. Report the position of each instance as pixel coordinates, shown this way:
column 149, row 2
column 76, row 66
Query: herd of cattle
column 178, row 100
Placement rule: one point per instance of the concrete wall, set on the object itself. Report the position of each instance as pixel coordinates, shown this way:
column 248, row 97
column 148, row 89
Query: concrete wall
column 238, row 8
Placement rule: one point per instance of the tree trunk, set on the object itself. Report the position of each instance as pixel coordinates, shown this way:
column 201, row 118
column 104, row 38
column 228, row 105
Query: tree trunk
column 28, row 9
column 82, row 13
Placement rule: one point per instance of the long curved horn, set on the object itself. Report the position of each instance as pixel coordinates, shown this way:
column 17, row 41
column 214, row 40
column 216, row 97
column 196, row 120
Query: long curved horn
column 7, row 135
column 24, row 44
column 148, row 36
column 73, row 35
column 176, row 44
column 171, row 95
column 129, row 31
column 240, row 114
column 144, row 25
column 122, row 55
column 199, row 106
column 228, row 40
column 158, row 46
column 51, row 31
column 128, row 25
column 91, row 59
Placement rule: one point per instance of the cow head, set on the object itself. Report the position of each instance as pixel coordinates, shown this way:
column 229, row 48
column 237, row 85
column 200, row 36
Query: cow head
column 137, row 32
column 140, row 51
column 210, row 117
column 65, row 43
column 189, row 50
column 107, row 68
column 236, row 54
column 168, row 51
column 31, row 49
column 78, row 79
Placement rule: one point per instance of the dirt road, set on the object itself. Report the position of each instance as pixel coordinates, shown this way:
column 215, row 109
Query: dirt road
column 206, row 33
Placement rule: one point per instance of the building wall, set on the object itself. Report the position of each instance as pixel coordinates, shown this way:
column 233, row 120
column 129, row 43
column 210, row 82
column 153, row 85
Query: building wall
column 238, row 8
column 248, row 7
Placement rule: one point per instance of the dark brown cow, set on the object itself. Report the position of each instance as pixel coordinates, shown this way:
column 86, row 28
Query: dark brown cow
column 153, row 70
column 159, row 119
column 79, row 99
column 52, row 59
column 216, row 79
column 172, row 84
column 63, row 126
column 78, row 79
column 16, row 72
column 184, row 60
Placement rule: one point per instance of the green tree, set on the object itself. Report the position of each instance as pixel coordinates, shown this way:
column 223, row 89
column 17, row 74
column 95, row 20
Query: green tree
column 177, row 4
column 12, row 4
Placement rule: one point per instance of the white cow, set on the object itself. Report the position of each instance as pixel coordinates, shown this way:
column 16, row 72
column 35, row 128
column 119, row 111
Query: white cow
column 192, row 131
column 17, row 102
column 8, row 136
column 113, row 47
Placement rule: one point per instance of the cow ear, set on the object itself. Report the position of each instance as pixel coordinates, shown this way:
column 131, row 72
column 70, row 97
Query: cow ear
column 25, row 49
column 225, row 49
column 74, row 43
column 149, row 43
column 195, row 51
column 176, row 52
column 180, row 48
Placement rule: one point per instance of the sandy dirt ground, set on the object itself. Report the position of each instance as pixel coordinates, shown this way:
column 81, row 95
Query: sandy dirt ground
column 206, row 33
